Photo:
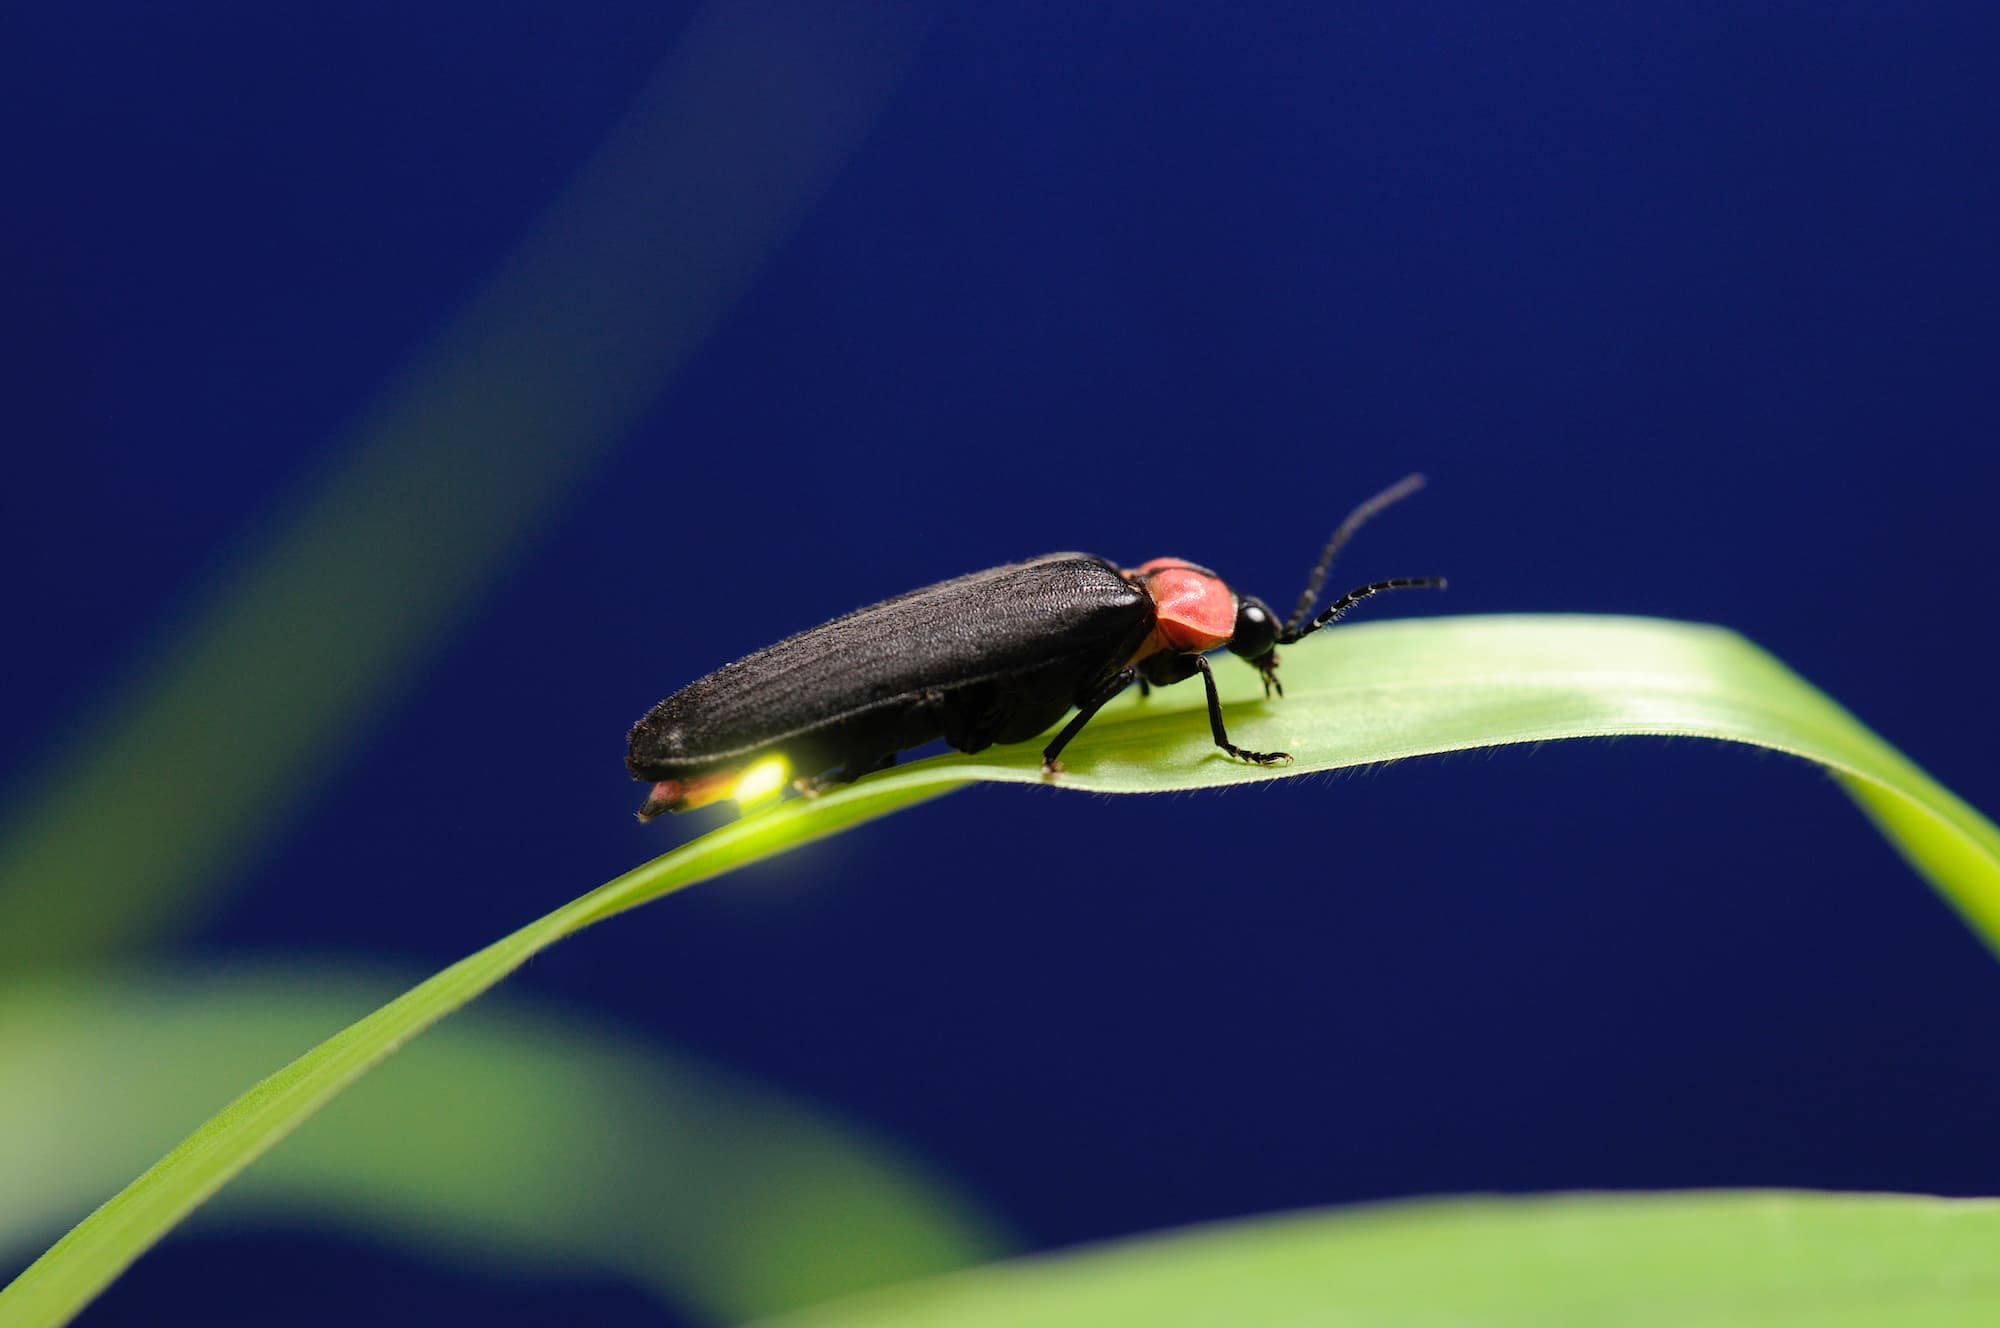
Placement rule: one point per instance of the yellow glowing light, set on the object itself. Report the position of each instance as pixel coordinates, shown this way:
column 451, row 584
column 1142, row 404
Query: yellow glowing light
column 760, row 780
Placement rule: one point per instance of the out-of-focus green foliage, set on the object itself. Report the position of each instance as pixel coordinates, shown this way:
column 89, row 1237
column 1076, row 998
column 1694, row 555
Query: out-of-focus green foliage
column 283, row 664
column 514, row 1136
column 1689, row 1260
column 301, row 644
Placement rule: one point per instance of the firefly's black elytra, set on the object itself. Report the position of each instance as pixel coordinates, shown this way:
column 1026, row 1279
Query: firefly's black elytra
column 996, row 656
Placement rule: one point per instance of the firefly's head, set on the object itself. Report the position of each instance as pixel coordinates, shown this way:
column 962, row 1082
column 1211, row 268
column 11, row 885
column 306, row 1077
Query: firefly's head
column 1256, row 633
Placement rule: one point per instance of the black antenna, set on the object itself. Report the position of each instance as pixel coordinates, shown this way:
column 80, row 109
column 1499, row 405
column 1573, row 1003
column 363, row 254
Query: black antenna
column 1395, row 493
column 1333, row 611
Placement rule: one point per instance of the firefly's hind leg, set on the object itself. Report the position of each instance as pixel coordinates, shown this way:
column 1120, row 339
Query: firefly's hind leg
column 1085, row 708
column 850, row 773
column 847, row 774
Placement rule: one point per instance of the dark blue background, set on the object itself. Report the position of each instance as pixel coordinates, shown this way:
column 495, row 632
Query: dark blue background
column 1687, row 310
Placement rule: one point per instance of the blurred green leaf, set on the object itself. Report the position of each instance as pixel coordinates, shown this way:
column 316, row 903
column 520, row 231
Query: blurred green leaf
column 1702, row 1260
column 1357, row 696
column 513, row 1137
column 281, row 667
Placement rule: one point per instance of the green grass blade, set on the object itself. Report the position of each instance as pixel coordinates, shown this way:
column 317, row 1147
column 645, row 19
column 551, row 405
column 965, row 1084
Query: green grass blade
column 1385, row 691
column 622, row 1157
column 1356, row 696
column 1714, row 1259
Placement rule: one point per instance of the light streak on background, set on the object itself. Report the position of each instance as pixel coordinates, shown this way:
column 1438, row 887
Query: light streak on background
column 243, row 710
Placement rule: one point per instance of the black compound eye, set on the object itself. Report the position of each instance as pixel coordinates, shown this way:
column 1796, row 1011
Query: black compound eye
column 1256, row 629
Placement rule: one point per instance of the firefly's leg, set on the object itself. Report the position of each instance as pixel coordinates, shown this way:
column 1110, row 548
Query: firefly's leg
column 1215, row 723
column 819, row 784
column 849, row 773
column 1087, row 707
